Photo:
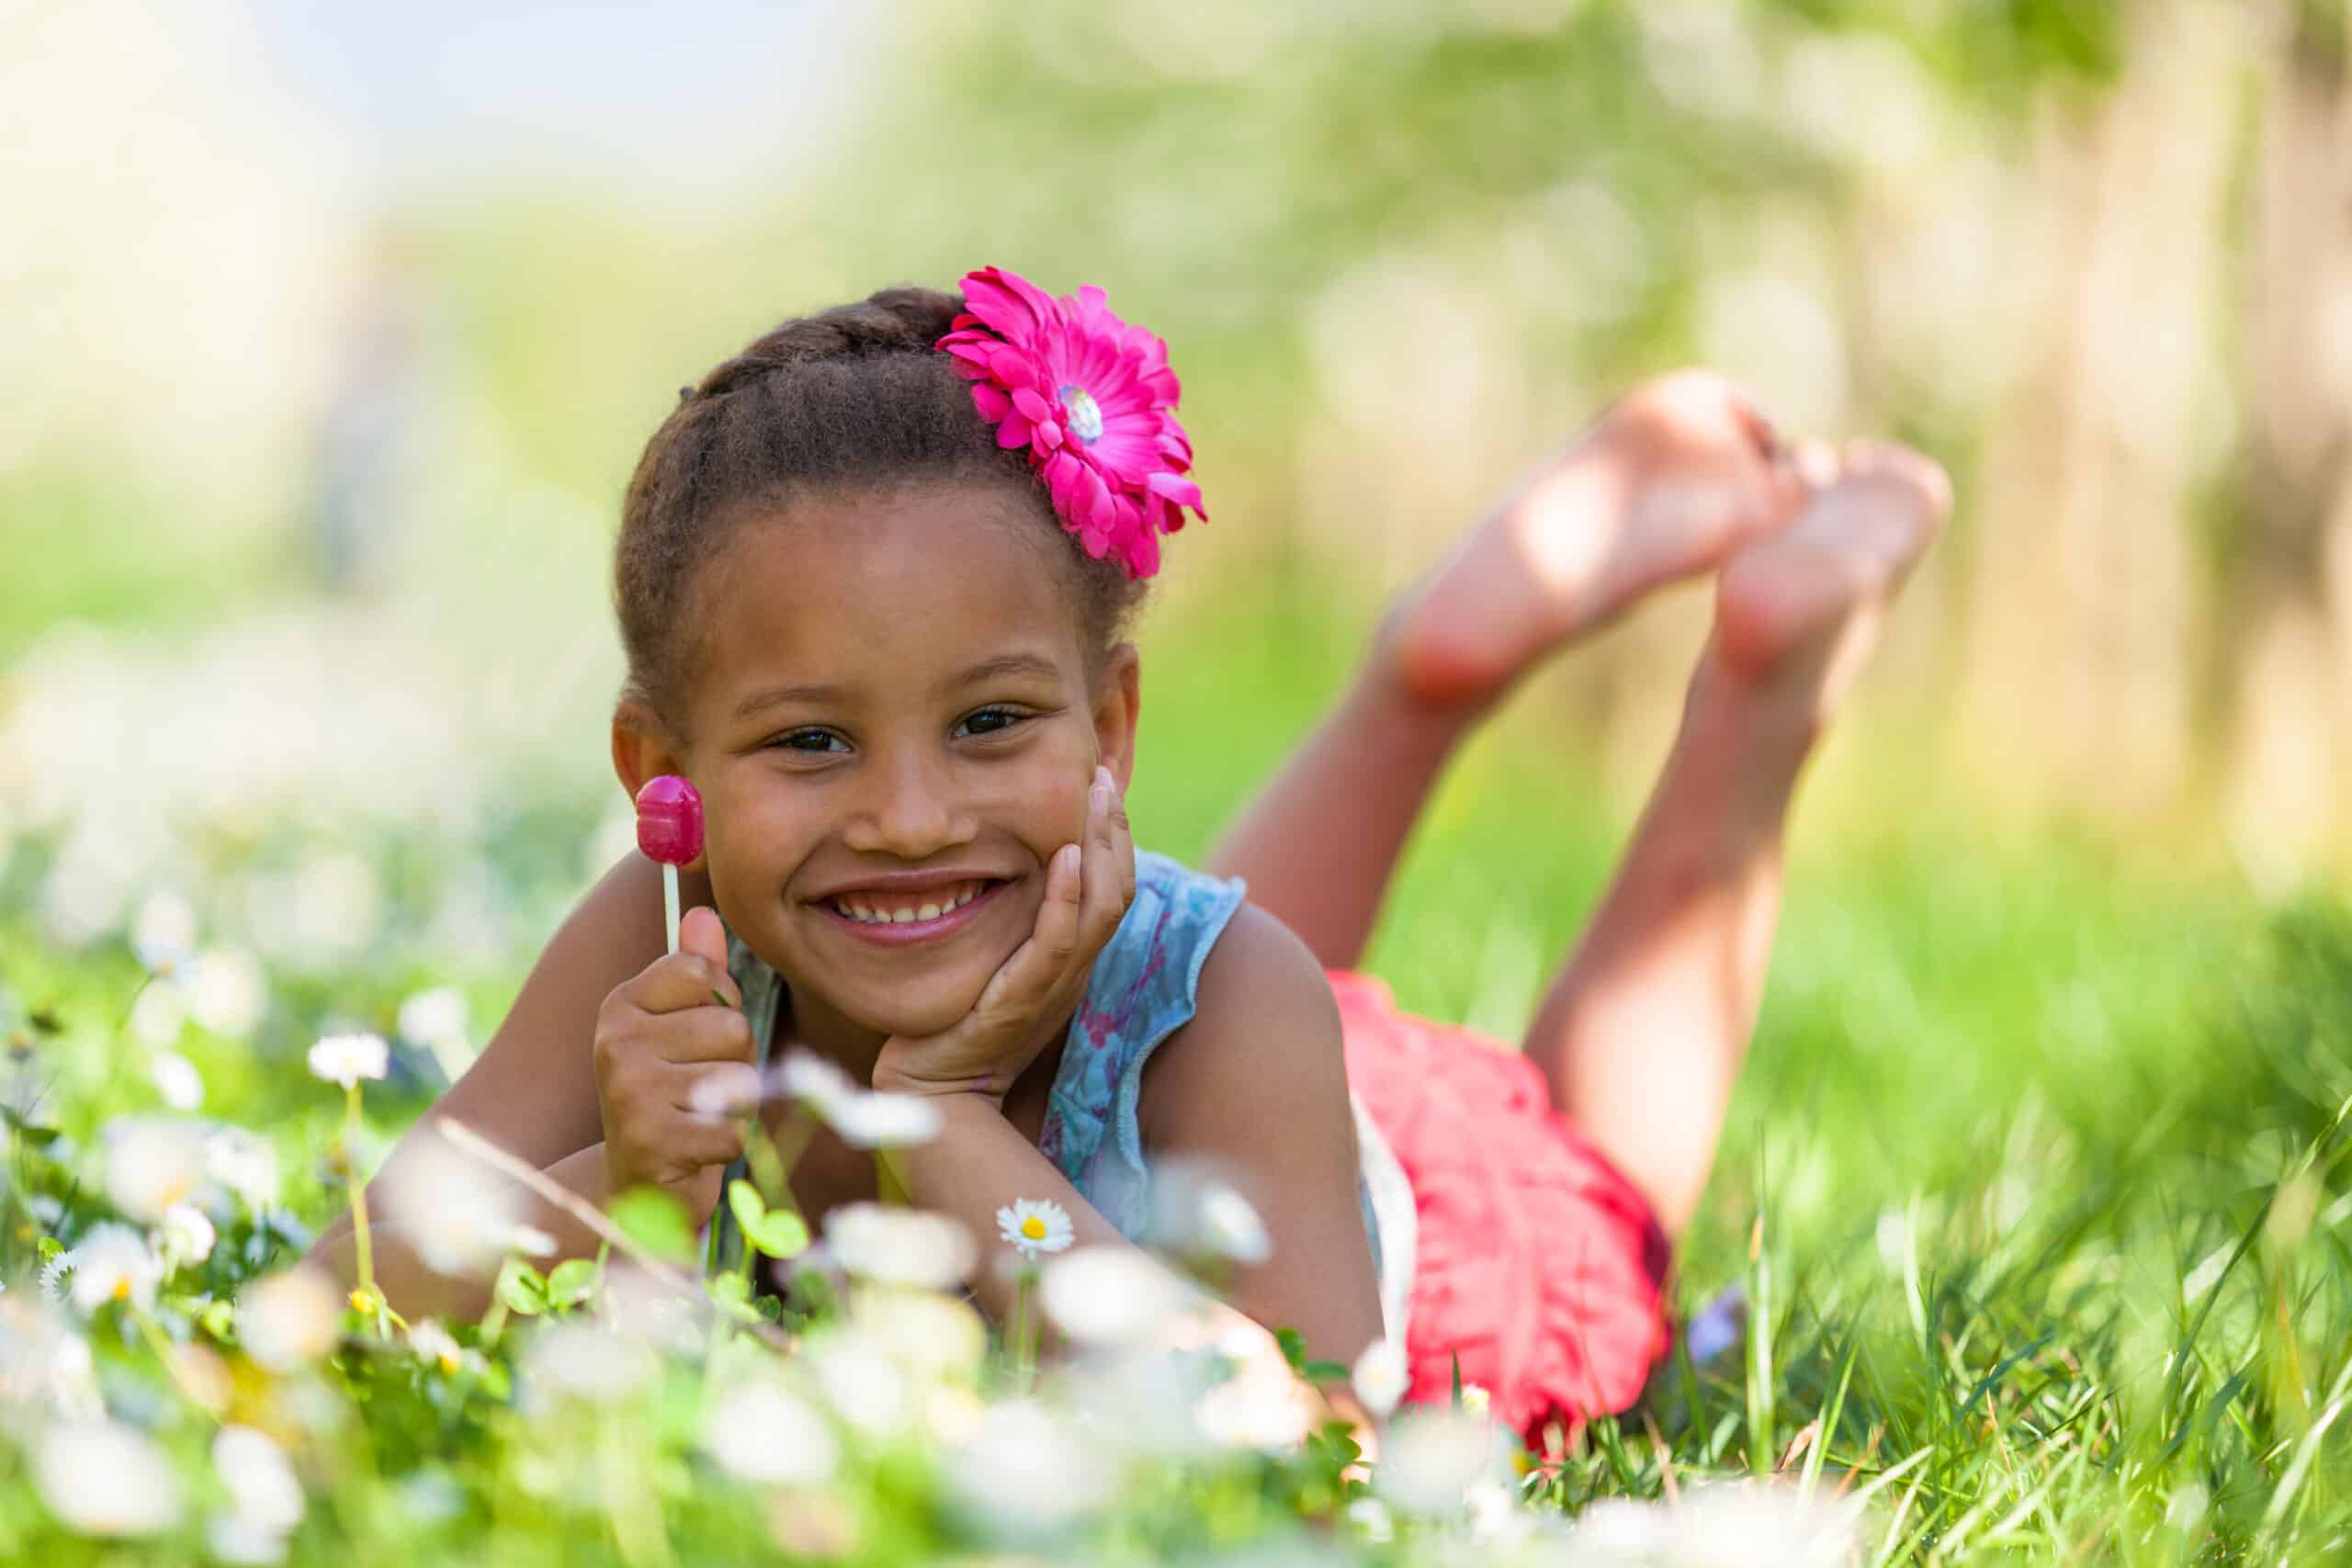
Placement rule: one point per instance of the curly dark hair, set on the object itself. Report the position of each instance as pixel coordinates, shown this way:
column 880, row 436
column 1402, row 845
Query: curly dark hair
column 850, row 397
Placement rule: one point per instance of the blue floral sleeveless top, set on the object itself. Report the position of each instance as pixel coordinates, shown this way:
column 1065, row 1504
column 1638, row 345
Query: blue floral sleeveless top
column 1143, row 988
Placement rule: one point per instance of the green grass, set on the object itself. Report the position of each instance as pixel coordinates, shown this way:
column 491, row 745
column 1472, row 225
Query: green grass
column 2036, row 1185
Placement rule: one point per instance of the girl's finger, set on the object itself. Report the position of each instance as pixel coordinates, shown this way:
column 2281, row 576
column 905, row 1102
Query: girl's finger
column 1100, row 905
column 1039, row 964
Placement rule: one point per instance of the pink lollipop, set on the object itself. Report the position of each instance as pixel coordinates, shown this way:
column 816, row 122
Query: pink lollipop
column 668, row 830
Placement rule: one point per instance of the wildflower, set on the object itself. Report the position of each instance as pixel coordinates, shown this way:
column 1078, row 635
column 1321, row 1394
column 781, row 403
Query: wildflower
column 162, row 934
column 1765, row 1523
column 858, row 1378
column 815, row 1082
column 1261, row 1407
column 886, row 1121
column 185, row 1237
column 103, row 1478
column 44, row 1363
column 292, row 1319
column 176, row 1079
column 262, row 1484
column 459, row 1217
column 1022, row 1467
column 1371, row 1515
column 151, row 1163
column 234, row 1538
column 1230, row 1228
column 576, row 1361
column 1036, row 1226
column 56, row 1275
column 226, row 991
column 934, row 1338
column 245, row 1163
column 1381, row 1376
column 434, row 1343
column 763, row 1434
column 1108, row 1295
column 114, row 1263
column 159, row 1016
column 899, row 1247
column 1475, row 1400
column 435, row 1018
column 1433, row 1457
column 346, row 1058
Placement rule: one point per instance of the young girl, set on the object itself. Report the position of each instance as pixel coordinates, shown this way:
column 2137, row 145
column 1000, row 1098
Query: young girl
column 873, row 576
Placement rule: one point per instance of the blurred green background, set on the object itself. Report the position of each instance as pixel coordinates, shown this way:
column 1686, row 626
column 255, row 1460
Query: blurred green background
column 333, row 337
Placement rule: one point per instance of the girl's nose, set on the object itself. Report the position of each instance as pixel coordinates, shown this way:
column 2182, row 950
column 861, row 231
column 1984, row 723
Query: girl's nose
column 910, row 812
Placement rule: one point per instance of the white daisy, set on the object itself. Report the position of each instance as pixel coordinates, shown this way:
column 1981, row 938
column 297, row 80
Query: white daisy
column 176, row 1079
column 260, row 1479
column 433, row 1343
column 806, row 1076
column 164, row 933
column 899, row 1247
column 1230, row 1228
column 764, row 1435
column 114, row 1263
column 103, row 1478
column 434, row 1016
column 1111, row 1295
column 289, row 1319
column 245, row 1163
column 1036, row 1226
column 346, row 1058
column 55, row 1275
column 885, row 1121
column 226, row 991
column 186, row 1236
column 151, row 1163
column 1381, row 1376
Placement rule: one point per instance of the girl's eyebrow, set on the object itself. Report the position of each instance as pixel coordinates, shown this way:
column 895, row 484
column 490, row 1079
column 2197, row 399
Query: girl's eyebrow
column 986, row 670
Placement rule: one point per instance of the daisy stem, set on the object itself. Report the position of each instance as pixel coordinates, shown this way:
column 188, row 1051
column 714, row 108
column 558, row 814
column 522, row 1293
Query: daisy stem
column 164, row 1353
column 361, row 1248
column 1025, row 1326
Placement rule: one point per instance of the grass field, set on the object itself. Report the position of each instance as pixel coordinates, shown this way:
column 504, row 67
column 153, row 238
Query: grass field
column 2036, row 1194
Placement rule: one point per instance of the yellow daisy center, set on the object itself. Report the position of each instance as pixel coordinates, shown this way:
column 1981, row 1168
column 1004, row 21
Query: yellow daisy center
column 123, row 1288
column 1034, row 1228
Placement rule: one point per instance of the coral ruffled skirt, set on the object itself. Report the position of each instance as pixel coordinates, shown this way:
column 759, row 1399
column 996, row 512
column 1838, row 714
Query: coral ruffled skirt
column 1536, row 1265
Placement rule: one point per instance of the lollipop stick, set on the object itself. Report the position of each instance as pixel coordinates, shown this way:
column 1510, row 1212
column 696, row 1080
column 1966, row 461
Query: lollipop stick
column 669, row 902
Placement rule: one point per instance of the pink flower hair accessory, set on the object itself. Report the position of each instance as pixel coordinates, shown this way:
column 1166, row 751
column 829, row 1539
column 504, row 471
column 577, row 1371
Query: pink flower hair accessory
column 1092, row 399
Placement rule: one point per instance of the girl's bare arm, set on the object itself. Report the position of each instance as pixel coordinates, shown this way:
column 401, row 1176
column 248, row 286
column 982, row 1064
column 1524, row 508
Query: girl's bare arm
column 532, row 1092
column 1256, row 1085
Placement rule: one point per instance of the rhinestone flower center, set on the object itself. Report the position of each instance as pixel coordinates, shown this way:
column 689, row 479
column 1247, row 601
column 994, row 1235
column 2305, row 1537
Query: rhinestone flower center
column 1085, row 413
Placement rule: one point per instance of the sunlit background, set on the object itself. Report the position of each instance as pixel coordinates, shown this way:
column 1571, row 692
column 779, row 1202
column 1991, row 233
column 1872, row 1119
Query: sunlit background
column 330, row 334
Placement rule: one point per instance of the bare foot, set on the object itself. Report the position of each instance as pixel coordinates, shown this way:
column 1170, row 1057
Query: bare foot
column 1797, row 613
column 1678, row 474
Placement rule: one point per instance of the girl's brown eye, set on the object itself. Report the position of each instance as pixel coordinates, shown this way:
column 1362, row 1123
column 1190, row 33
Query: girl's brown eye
column 808, row 740
column 991, row 721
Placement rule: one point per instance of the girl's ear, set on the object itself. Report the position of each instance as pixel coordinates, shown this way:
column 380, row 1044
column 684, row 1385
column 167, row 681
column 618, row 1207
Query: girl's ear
column 1118, row 702
column 642, row 750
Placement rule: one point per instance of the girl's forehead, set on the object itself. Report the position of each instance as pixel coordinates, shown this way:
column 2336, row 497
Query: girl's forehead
column 912, row 578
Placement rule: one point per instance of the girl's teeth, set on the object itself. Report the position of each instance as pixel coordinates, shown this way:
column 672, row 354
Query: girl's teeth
column 961, row 895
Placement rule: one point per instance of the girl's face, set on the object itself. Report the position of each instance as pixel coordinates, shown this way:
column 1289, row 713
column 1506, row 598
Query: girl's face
column 894, row 729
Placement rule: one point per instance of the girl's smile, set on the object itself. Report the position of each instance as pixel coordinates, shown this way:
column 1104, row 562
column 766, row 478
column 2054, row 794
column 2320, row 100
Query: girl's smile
column 921, row 908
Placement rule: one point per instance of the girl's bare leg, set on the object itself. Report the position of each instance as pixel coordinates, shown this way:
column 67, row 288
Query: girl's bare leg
column 1646, row 1025
column 1667, row 484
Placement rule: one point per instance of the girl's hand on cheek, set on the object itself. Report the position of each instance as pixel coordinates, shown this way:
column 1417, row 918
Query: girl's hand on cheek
column 1089, row 885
